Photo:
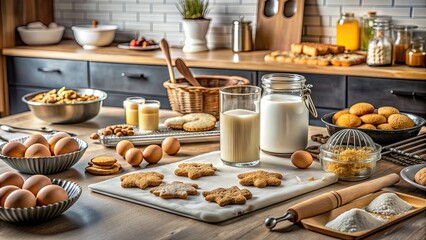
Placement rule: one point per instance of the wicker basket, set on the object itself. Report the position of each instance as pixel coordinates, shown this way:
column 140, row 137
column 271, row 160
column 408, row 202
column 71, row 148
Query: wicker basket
column 185, row 98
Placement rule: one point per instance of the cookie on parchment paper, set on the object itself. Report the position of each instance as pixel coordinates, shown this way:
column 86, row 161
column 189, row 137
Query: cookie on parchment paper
column 175, row 189
column 195, row 170
column 225, row 196
column 141, row 180
column 260, row 178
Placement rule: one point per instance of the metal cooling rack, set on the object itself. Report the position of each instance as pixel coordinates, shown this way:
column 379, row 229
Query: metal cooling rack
column 407, row 152
column 157, row 137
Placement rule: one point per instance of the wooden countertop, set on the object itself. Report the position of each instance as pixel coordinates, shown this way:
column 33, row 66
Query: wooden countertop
column 221, row 59
column 95, row 216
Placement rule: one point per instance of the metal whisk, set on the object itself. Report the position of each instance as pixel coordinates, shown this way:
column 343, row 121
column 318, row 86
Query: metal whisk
column 349, row 138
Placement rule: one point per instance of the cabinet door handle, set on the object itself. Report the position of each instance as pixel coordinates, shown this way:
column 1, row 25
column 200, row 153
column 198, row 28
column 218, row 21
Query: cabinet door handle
column 49, row 70
column 407, row 93
column 133, row 75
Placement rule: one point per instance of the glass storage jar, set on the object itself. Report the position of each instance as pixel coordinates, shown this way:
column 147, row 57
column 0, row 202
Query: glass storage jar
column 402, row 37
column 347, row 32
column 416, row 53
column 131, row 108
column 284, row 113
column 380, row 47
column 367, row 31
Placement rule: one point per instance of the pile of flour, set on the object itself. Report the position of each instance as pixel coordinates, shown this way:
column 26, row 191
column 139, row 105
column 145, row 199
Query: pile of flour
column 355, row 220
column 388, row 204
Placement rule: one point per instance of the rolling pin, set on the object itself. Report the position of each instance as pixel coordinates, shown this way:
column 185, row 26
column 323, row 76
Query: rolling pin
column 331, row 200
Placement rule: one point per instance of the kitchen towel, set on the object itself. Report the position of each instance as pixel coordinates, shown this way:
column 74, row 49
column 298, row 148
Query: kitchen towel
column 295, row 182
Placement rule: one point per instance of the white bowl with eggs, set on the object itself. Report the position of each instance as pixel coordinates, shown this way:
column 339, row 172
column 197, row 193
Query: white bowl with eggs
column 90, row 37
column 39, row 34
column 39, row 213
column 44, row 165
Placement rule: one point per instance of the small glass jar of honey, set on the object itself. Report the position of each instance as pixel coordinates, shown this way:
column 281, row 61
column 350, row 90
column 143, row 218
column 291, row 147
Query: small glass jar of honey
column 131, row 108
column 415, row 56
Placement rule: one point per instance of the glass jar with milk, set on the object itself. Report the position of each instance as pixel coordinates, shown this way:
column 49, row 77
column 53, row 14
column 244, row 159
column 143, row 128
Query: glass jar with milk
column 284, row 115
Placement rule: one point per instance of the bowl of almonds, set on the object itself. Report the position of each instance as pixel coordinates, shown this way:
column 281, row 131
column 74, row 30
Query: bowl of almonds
column 65, row 105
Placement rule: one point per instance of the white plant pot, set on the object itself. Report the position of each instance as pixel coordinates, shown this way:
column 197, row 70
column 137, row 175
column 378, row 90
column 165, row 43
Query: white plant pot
column 195, row 35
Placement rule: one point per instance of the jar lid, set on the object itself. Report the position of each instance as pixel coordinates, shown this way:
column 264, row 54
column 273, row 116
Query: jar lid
column 371, row 13
column 283, row 81
column 348, row 14
column 404, row 27
column 241, row 21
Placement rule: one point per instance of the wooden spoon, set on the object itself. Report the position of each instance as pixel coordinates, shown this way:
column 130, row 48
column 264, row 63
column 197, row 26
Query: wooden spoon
column 184, row 70
column 164, row 45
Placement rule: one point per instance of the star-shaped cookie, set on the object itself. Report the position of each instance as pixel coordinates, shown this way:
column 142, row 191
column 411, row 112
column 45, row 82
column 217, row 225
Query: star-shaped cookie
column 175, row 189
column 141, row 180
column 260, row 179
column 225, row 196
column 195, row 170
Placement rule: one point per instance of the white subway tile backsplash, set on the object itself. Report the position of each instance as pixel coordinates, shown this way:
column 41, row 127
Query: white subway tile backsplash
column 160, row 18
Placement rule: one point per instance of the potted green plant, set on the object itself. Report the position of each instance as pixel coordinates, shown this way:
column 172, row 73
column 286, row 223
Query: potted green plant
column 195, row 24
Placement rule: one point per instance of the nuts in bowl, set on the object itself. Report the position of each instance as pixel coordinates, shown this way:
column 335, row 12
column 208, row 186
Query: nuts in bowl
column 43, row 154
column 65, row 105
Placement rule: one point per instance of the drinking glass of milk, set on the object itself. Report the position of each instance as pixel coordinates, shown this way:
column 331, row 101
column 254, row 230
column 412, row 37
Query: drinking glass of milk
column 149, row 115
column 240, row 125
column 284, row 118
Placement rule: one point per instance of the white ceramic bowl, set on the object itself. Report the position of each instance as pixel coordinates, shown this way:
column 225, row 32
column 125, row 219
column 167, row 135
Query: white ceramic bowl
column 91, row 38
column 43, row 36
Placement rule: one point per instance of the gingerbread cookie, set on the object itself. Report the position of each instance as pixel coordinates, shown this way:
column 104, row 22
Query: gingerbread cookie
column 348, row 120
column 420, row 177
column 103, row 171
column 225, row 196
column 141, row 180
column 373, row 118
column 386, row 111
column 104, row 161
column 195, row 170
column 193, row 122
column 338, row 114
column 384, row 126
column 260, row 179
column 175, row 190
column 367, row 126
column 361, row 108
column 400, row 121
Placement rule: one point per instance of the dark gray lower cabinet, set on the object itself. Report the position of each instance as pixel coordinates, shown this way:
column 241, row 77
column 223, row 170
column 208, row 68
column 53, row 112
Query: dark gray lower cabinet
column 116, row 99
column 16, row 93
column 406, row 95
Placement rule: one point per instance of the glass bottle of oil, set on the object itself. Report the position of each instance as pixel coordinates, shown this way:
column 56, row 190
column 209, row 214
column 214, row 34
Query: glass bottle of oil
column 347, row 32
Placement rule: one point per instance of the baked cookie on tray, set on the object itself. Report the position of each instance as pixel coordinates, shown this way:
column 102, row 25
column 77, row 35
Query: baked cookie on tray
column 141, row 180
column 260, row 179
column 195, row 170
column 225, row 196
column 175, row 189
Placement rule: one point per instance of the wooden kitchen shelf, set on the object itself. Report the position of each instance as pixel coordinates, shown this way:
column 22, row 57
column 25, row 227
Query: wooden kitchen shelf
column 219, row 59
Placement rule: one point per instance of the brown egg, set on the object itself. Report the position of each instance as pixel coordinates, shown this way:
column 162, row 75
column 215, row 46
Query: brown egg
column 35, row 183
column 55, row 138
column 36, row 138
column 11, row 178
column 134, row 156
column 66, row 145
column 152, row 154
column 301, row 159
column 5, row 191
column 37, row 150
column 123, row 146
column 14, row 149
column 51, row 194
column 171, row 145
column 20, row 199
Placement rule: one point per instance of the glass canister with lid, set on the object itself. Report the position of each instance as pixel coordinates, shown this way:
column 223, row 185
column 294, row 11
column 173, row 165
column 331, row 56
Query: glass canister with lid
column 367, row 31
column 380, row 47
column 416, row 53
column 347, row 32
column 284, row 113
column 402, row 37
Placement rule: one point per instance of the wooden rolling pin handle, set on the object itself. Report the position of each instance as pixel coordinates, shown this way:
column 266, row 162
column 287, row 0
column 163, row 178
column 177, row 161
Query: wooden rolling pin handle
column 331, row 200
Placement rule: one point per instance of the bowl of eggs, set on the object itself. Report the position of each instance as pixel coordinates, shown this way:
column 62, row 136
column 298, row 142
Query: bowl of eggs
column 35, row 199
column 43, row 154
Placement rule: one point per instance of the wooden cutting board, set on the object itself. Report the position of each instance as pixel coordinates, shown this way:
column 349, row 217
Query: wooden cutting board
column 279, row 24
column 318, row 223
column 295, row 182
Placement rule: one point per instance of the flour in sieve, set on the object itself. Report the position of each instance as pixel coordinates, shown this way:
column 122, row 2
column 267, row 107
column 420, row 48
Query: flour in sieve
column 355, row 220
column 388, row 204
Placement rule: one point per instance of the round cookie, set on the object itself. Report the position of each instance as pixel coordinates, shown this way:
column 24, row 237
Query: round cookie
column 104, row 161
column 384, row 126
column 400, row 121
column 361, row 108
column 101, row 171
column 338, row 114
column 420, row 177
column 386, row 111
column 348, row 120
column 373, row 118
column 193, row 122
column 367, row 126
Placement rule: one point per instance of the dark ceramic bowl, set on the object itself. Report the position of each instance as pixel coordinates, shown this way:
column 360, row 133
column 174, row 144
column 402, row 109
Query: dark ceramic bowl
column 380, row 136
